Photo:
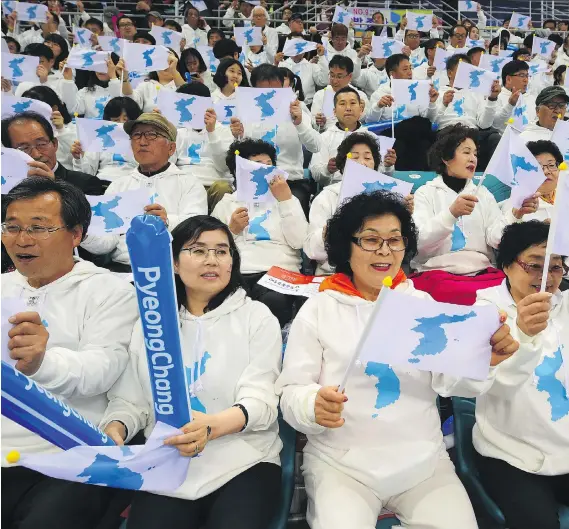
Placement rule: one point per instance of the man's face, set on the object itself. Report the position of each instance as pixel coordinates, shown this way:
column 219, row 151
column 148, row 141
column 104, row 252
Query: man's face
column 213, row 38
column 47, row 64
column 458, row 39
column 12, row 47
column 153, row 151
column 126, row 28
column 549, row 25
column 549, row 113
column 155, row 21
column 403, row 71
column 40, row 260
column 348, row 109
column 412, row 39
column 296, row 25
column 193, row 18
column 272, row 83
column 28, row 136
column 245, row 9
column 518, row 81
column 339, row 42
column 259, row 17
column 339, row 78
column 94, row 28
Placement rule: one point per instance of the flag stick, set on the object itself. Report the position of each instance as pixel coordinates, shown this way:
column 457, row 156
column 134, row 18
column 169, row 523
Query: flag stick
column 122, row 80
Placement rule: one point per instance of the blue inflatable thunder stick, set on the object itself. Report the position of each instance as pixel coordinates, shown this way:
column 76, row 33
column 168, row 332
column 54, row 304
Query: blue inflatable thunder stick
column 150, row 248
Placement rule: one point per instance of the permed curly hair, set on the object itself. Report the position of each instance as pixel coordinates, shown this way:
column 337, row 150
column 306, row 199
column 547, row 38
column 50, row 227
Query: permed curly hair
column 448, row 141
column 249, row 147
column 354, row 139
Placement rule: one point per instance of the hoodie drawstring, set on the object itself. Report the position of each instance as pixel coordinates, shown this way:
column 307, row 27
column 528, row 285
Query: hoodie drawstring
column 198, row 354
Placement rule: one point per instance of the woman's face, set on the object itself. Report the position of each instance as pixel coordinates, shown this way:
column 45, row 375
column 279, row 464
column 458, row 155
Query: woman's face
column 464, row 162
column 551, row 171
column 203, row 271
column 261, row 158
column 474, row 33
column 234, row 75
column 123, row 118
column 55, row 48
column 525, row 276
column 362, row 154
column 192, row 63
column 370, row 268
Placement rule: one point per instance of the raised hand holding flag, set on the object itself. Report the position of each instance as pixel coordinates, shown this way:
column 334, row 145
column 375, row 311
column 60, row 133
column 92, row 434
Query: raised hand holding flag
column 342, row 16
column 269, row 105
column 521, row 22
column 28, row 12
column 20, row 68
column 298, row 46
column 419, row 21
column 472, row 78
column 184, row 110
column 97, row 135
column 166, row 37
column 91, row 60
column 383, row 48
column 542, row 47
column 253, row 179
column 145, row 58
column 493, row 64
column 248, row 36
column 410, row 92
column 82, row 37
column 467, row 6
column 112, row 44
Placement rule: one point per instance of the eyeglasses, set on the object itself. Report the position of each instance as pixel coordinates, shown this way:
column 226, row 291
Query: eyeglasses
column 200, row 253
column 521, row 75
column 126, row 25
column 551, row 168
column 460, row 35
column 414, row 37
column 39, row 233
column 149, row 135
column 536, row 270
column 556, row 106
column 373, row 244
column 40, row 145
column 339, row 76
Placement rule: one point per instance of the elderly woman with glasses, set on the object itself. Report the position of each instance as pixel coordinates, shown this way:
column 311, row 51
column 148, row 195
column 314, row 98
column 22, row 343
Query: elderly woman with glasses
column 521, row 434
column 231, row 348
column 379, row 443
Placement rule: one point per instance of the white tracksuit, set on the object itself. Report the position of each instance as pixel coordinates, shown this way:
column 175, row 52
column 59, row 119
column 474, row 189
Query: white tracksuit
column 274, row 236
column 440, row 232
column 318, row 106
column 504, row 110
column 349, row 52
column 89, row 314
column 239, row 346
column 474, row 111
column 371, row 79
column 390, row 451
column 535, row 132
column 146, row 93
column 91, row 103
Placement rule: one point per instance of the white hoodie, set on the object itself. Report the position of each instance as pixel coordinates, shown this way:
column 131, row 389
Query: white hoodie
column 349, row 52
column 523, row 418
column 370, row 79
column 439, row 230
column 535, row 132
column 105, row 165
column 181, row 195
column 238, row 348
column 318, row 106
column 274, row 236
column 474, row 111
column 146, row 93
column 89, row 314
column 504, row 110
column 392, row 438
column 91, row 103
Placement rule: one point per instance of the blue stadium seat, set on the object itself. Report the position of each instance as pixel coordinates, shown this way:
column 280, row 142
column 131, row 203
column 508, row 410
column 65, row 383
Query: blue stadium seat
column 387, row 522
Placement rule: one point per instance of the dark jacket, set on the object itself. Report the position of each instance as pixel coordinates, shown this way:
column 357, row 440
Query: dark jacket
column 89, row 184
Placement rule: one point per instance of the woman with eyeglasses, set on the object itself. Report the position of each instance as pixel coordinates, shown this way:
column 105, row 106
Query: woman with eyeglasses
column 379, row 443
column 521, row 434
column 236, row 342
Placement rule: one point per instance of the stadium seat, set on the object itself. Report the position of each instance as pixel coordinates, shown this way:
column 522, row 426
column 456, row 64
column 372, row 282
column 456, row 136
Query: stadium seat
column 387, row 522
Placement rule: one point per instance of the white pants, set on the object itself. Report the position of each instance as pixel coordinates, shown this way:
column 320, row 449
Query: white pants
column 337, row 501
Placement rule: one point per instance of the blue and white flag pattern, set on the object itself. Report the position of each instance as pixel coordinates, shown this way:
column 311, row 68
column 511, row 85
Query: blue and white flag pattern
column 468, row 6
column 16, row 105
column 514, row 165
column 419, row 21
column 248, row 36
column 112, row 44
column 493, row 64
column 342, row 16
column 410, row 93
column 560, row 137
column 97, row 135
column 31, row 12
column 145, row 58
column 382, row 48
column 537, row 66
column 518, row 21
column 560, row 236
column 268, row 105
column 91, row 60
column 480, row 43
column 166, row 37
column 298, row 46
column 473, row 78
column 184, row 110
column 441, row 58
column 252, row 180
column 520, row 114
column 225, row 109
column 14, row 166
column 359, row 179
column 82, row 37
column 209, row 58
column 9, row 6
column 542, row 47
column 20, row 68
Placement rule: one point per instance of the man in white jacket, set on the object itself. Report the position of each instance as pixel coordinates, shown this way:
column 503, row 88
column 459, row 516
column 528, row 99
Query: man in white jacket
column 72, row 341
column 551, row 106
column 244, row 14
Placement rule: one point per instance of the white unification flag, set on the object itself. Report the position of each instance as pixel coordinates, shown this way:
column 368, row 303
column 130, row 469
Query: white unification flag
column 560, row 236
column 410, row 92
column 183, row 110
column 473, row 78
column 359, row 179
column 209, row 58
column 480, row 43
column 252, row 180
column 560, row 137
column 151, row 467
column 505, row 53
column 385, row 143
column 91, row 60
column 8, row 7
column 520, row 114
column 298, row 46
column 542, row 47
column 514, row 165
column 328, row 103
column 31, row 12
column 166, row 37
column 225, row 110
column 135, row 78
column 97, row 135
column 342, row 16
column 518, row 21
column 248, row 36
column 269, row 105
column 20, row 68
column 112, row 214
column 441, row 58
column 382, row 48
column 493, row 64
column 14, row 167
column 112, row 44
column 417, row 333
column 16, row 105
column 467, row 6
column 537, row 66
column 82, row 37
column 145, row 58
column 419, row 21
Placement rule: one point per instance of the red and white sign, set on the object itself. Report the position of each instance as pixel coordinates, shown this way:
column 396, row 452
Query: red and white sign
column 291, row 283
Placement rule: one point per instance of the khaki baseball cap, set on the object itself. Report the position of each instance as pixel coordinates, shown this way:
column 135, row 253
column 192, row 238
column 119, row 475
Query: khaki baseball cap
column 156, row 120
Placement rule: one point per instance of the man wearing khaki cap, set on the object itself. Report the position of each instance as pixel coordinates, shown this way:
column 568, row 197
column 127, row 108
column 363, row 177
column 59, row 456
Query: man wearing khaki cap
column 550, row 107
column 174, row 196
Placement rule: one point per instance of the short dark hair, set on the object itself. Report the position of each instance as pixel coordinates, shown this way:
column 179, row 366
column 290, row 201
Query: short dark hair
column 517, row 238
column 12, row 40
column 25, row 116
column 220, row 76
column 75, row 208
column 458, row 26
column 472, row 51
column 47, row 95
column 225, row 48
column 545, row 147
column 95, row 21
column 520, row 51
column 266, row 72
column 339, row 30
column 407, row 30
column 194, row 88
column 512, row 68
column 189, row 231
column 453, row 60
column 249, row 147
column 217, row 31
column 62, row 43
column 174, row 24
column 528, row 41
column 346, row 90
column 121, row 17
column 40, row 50
column 550, row 21
column 394, row 61
column 351, row 216
column 295, row 82
column 344, row 63
column 144, row 35
column 117, row 105
column 354, row 139
column 555, row 37
column 448, row 140
column 431, row 44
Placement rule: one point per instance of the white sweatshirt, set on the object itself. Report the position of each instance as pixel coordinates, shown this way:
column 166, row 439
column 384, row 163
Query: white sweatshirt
column 458, row 246
column 544, row 211
column 91, row 103
column 318, row 104
column 371, row 79
column 504, row 111
column 263, row 57
column 181, row 195
column 392, row 438
column 311, row 75
column 105, row 165
column 195, row 154
column 535, row 132
column 562, row 58
column 474, row 111
column 523, row 418
column 239, row 346
column 274, row 236
column 194, row 37
column 146, row 93
column 89, row 314
column 375, row 113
